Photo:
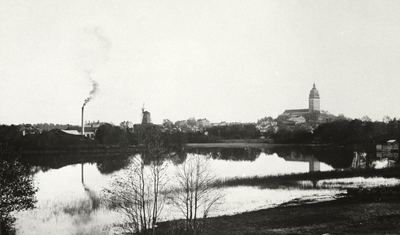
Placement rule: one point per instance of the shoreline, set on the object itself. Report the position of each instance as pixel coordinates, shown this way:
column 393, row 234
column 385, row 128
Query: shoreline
column 246, row 145
column 134, row 149
column 346, row 215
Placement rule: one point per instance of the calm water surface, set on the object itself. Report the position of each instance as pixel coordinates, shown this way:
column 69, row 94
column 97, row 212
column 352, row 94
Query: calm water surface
column 65, row 186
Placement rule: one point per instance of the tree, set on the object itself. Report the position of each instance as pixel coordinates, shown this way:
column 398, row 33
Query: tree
column 109, row 134
column 386, row 119
column 197, row 192
column 341, row 117
column 126, row 125
column 265, row 119
column 17, row 191
column 168, row 124
column 138, row 193
column 192, row 122
column 365, row 118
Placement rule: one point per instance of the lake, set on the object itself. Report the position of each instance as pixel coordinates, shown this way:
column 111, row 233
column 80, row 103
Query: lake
column 70, row 186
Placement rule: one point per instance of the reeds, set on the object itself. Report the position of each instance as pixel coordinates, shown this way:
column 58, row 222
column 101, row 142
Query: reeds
column 293, row 180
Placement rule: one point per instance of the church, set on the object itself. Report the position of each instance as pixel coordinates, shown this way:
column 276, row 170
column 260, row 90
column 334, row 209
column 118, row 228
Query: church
column 313, row 105
column 311, row 115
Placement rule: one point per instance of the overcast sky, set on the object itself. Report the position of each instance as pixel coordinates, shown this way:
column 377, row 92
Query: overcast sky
column 223, row 60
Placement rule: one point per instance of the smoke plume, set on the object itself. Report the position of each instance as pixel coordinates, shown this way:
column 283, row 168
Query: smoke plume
column 92, row 93
column 93, row 52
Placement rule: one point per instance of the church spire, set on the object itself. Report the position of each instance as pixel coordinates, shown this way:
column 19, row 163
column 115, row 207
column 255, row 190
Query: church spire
column 314, row 100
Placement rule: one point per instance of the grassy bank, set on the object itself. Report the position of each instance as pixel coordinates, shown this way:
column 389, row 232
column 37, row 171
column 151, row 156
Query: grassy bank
column 342, row 216
column 290, row 180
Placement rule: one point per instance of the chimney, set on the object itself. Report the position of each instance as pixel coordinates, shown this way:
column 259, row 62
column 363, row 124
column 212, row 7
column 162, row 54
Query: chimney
column 83, row 125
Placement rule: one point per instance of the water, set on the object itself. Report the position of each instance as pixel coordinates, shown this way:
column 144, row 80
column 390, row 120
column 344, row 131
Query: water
column 70, row 187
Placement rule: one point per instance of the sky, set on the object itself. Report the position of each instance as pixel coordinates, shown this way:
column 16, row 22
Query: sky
column 224, row 60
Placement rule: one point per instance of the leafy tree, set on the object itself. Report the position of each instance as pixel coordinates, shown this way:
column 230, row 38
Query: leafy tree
column 168, row 124
column 10, row 134
column 341, row 117
column 386, row 119
column 192, row 122
column 109, row 134
column 265, row 119
column 365, row 118
column 126, row 125
column 17, row 191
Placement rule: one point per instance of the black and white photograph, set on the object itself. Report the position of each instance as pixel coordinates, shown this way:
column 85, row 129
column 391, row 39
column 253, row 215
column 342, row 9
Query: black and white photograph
column 199, row 117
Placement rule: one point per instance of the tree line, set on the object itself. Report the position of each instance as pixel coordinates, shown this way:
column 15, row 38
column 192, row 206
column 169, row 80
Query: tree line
column 342, row 131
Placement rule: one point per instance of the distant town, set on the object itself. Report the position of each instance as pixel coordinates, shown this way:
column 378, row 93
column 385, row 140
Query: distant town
column 302, row 119
column 308, row 125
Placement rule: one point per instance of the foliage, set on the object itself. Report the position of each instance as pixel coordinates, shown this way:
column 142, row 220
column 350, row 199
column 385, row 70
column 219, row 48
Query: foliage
column 292, row 136
column 356, row 131
column 175, row 140
column 264, row 119
column 10, row 134
column 112, row 135
column 236, row 131
column 17, row 191
column 197, row 192
column 54, row 139
column 50, row 126
column 199, row 137
column 342, row 131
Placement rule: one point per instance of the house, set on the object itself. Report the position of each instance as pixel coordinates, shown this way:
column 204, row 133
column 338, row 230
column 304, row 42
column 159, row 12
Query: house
column 390, row 146
column 90, row 131
column 28, row 129
column 72, row 132
column 297, row 119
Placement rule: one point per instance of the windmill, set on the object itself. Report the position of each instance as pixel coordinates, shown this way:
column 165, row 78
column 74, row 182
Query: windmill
column 145, row 116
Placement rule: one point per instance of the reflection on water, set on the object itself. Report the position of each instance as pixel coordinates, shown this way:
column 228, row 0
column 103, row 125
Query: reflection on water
column 65, row 206
column 234, row 154
column 264, row 165
column 70, row 189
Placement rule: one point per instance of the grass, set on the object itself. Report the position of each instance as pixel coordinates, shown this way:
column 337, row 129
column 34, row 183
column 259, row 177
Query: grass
column 292, row 180
column 342, row 216
column 78, row 215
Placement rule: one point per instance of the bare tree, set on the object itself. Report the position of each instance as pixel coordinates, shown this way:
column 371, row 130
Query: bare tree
column 197, row 192
column 138, row 193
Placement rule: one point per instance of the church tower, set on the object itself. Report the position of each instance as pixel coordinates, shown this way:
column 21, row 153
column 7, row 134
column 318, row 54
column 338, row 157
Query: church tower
column 313, row 101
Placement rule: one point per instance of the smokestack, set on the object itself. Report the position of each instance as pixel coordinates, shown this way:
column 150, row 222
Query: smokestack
column 83, row 127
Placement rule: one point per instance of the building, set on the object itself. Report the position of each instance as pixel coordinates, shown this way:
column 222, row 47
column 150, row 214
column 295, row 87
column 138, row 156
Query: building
column 313, row 105
column 390, row 146
column 314, row 101
column 313, row 116
column 146, row 124
column 90, row 129
column 28, row 129
column 297, row 119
